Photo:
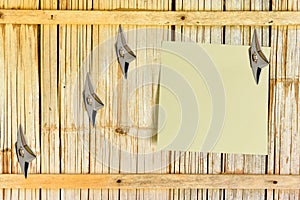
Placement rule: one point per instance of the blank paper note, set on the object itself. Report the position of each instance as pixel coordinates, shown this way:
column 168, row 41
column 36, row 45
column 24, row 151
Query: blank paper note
column 209, row 100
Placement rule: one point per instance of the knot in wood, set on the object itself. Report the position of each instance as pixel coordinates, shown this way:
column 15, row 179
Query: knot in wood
column 120, row 131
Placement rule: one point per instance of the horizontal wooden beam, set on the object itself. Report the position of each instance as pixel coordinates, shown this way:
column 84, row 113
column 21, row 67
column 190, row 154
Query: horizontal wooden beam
column 153, row 181
column 213, row 18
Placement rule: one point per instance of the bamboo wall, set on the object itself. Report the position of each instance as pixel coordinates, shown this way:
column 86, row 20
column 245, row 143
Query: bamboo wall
column 42, row 73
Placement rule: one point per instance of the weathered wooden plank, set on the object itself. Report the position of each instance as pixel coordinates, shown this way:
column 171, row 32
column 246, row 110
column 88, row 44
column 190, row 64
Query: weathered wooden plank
column 2, row 101
column 31, row 101
column 21, row 94
column 9, row 65
column 50, row 162
column 217, row 18
column 20, row 101
column 292, row 106
column 76, row 42
column 67, row 76
column 154, row 181
column 84, row 136
column 112, row 101
column 285, row 112
column 74, row 48
column 97, row 145
column 24, row 95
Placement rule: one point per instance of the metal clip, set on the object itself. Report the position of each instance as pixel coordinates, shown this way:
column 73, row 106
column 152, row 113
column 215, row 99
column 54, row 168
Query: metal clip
column 91, row 101
column 24, row 153
column 124, row 54
column 257, row 58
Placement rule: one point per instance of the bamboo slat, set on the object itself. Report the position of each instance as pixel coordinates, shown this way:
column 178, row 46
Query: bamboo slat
column 151, row 181
column 3, row 86
column 114, row 79
column 98, row 146
column 285, row 112
column 21, row 95
column 216, row 18
column 50, row 139
column 42, row 90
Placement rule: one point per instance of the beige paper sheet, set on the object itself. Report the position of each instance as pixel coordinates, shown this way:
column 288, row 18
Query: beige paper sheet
column 209, row 101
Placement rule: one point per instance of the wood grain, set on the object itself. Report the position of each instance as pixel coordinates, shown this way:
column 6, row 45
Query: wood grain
column 154, row 181
column 216, row 18
column 20, row 93
column 284, row 104
column 50, row 140
column 38, row 91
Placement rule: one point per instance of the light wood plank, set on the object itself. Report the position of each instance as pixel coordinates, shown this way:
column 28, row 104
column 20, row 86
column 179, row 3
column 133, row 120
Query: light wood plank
column 150, row 181
column 3, row 85
column 49, row 101
column 217, row 18
column 285, row 106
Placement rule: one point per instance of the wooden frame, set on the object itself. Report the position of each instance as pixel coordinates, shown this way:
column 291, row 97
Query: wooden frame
column 217, row 18
column 150, row 181
column 156, row 181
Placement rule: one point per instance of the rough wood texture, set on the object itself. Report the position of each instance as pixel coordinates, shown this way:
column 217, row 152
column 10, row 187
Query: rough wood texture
column 49, row 101
column 284, row 102
column 19, row 95
column 151, row 181
column 216, row 18
column 42, row 73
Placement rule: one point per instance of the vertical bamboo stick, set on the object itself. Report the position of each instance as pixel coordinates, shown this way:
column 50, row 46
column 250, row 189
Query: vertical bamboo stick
column 2, row 101
column 3, row 89
column 278, row 41
column 93, row 140
column 113, row 155
column 141, row 60
column 98, row 147
column 20, row 104
column 102, row 134
column 128, row 143
column 10, row 163
column 286, row 60
column 84, row 140
column 49, row 108
column 31, row 98
column 291, row 135
column 107, row 157
column 21, row 99
column 67, row 60
column 9, row 64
